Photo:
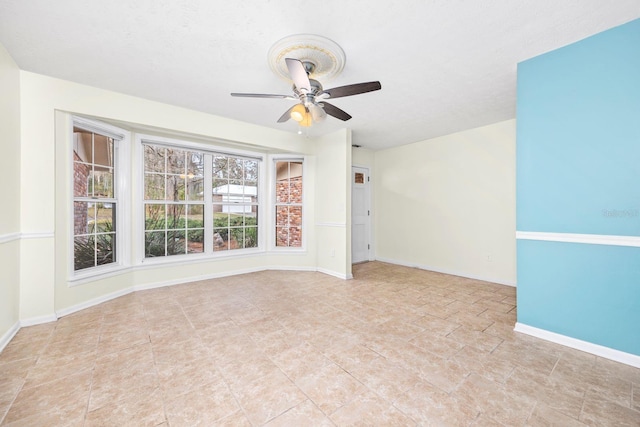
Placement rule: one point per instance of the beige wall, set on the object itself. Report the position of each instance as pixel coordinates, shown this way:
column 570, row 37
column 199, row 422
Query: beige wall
column 448, row 204
column 333, row 215
column 10, row 195
column 46, row 195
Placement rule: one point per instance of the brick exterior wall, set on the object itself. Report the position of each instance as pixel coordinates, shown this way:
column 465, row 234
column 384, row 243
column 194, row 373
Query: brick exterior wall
column 80, row 188
column 289, row 218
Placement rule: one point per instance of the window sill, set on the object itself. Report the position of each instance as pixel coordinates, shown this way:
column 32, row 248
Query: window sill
column 97, row 273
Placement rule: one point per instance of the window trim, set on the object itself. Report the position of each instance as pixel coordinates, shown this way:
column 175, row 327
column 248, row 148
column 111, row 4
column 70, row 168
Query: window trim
column 273, row 203
column 122, row 180
column 208, row 149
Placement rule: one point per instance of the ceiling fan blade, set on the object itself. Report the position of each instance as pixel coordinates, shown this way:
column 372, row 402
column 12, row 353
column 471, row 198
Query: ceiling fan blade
column 334, row 111
column 263, row 95
column 354, row 89
column 286, row 116
column 298, row 74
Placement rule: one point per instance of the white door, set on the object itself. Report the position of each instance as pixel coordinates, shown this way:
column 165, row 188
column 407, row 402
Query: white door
column 360, row 215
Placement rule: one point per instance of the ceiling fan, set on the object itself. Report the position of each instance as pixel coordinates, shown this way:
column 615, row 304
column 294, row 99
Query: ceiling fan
column 312, row 106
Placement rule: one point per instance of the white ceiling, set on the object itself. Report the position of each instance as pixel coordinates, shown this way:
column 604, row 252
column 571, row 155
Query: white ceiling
column 444, row 65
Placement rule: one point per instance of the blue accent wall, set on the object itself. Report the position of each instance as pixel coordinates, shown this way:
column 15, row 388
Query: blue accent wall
column 578, row 171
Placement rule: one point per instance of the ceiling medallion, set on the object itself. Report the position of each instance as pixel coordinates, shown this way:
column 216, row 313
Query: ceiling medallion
column 327, row 57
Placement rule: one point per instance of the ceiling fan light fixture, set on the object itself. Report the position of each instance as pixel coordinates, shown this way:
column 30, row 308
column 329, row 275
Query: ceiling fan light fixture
column 307, row 120
column 298, row 113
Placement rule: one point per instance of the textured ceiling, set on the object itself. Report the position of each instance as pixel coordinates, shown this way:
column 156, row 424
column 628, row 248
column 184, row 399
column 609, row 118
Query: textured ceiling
column 444, row 65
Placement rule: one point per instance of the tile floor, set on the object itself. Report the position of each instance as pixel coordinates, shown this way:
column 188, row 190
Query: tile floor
column 394, row 346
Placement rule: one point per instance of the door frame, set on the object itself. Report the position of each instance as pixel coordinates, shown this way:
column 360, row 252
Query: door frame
column 369, row 228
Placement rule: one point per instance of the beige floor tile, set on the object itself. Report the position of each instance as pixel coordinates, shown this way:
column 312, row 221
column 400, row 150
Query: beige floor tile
column 114, row 339
column 437, row 344
column 436, row 325
column 299, row 361
column 263, row 347
column 477, row 339
column 330, row 387
column 370, row 410
column 305, row 414
column 51, row 368
column 148, row 410
column 494, row 400
column 430, row 406
column 544, row 416
column 485, row 364
column 180, row 378
column 268, row 397
column 58, row 403
column 601, row 412
column 237, row 419
column 202, row 406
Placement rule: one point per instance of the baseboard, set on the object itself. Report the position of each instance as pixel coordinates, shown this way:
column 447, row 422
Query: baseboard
column 450, row 272
column 595, row 349
column 104, row 298
column 31, row 321
column 334, row 274
column 92, row 302
column 8, row 336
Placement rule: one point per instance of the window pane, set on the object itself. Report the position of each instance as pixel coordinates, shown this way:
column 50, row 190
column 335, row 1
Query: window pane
column 295, row 216
column 251, row 237
column 195, row 241
column 176, row 242
column 295, row 237
column 250, row 170
column 105, row 217
column 176, row 161
column 175, row 216
column 295, row 190
column 155, row 217
column 195, row 164
column 84, row 252
column 220, row 219
column 102, row 182
column 220, row 239
column 282, row 215
column 83, row 215
column 154, row 158
column 153, row 186
column 105, row 244
column 81, row 174
column 282, row 236
column 195, row 216
column 175, row 188
column 220, row 168
column 282, row 192
column 154, row 243
column 102, row 150
column 82, row 145
column 236, row 169
column 195, row 188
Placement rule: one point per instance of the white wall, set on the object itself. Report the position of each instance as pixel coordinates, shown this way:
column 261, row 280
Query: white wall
column 10, row 195
column 448, row 204
column 333, row 209
column 45, row 193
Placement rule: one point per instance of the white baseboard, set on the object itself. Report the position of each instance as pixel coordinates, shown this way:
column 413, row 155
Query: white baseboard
column 335, row 274
column 38, row 320
column 92, row 302
column 8, row 336
column 598, row 350
column 451, row 272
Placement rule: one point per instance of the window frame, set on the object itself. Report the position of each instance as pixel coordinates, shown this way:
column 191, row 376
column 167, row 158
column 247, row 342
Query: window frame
column 209, row 150
column 121, row 180
column 274, row 204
